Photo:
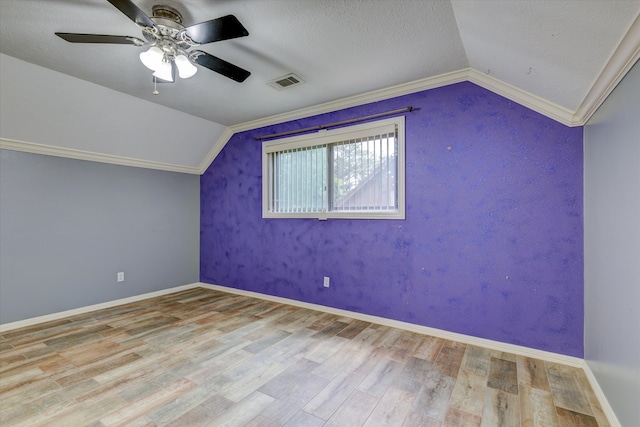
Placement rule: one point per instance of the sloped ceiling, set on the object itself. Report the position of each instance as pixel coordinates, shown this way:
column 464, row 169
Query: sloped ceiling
column 553, row 55
column 553, row 49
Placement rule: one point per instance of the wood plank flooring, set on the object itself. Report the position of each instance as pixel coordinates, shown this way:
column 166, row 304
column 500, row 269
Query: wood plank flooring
column 207, row 358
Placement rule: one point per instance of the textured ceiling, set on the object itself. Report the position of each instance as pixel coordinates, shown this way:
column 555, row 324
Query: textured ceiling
column 339, row 48
column 554, row 50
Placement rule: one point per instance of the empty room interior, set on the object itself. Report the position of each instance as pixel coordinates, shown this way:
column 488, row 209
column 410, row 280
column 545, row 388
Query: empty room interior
column 319, row 213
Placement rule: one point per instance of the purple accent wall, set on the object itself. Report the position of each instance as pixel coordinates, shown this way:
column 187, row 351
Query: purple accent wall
column 492, row 244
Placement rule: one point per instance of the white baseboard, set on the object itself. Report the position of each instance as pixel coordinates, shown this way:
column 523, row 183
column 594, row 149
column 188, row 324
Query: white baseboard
column 62, row 314
column 466, row 339
column 439, row 333
column 604, row 403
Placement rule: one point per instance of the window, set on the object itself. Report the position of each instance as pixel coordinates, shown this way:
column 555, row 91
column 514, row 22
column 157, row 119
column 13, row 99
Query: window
column 350, row 172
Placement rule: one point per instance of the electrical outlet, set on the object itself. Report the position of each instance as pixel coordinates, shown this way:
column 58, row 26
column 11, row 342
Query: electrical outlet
column 120, row 276
column 326, row 282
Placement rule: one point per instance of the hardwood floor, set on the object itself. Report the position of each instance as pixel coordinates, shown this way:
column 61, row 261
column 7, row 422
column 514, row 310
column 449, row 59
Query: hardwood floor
column 207, row 358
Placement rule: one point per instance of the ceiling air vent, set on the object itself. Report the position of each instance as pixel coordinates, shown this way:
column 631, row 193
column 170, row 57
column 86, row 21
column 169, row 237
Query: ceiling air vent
column 285, row 82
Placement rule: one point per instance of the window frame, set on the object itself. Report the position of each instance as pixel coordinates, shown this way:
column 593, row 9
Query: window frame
column 332, row 136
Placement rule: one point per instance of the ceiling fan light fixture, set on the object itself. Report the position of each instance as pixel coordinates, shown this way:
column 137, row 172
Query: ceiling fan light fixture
column 164, row 71
column 185, row 68
column 152, row 59
column 169, row 41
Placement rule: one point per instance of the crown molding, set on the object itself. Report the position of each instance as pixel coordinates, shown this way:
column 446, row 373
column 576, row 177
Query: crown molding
column 48, row 150
column 527, row 99
column 327, row 107
column 356, row 100
column 623, row 58
column 522, row 97
column 215, row 150
column 621, row 61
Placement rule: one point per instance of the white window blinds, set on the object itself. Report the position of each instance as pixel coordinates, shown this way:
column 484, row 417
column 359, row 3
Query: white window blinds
column 351, row 172
column 300, row 180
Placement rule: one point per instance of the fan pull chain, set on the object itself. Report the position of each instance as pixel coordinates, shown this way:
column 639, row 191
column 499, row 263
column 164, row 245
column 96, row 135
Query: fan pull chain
column 155, row 86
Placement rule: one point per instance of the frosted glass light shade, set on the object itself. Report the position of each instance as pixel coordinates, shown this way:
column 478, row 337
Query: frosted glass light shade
column 152, row 59
column 164, row 71
column 185, row 68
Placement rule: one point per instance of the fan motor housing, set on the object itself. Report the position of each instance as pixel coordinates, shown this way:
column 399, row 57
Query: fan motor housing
column 166, row 15
column 168, row 25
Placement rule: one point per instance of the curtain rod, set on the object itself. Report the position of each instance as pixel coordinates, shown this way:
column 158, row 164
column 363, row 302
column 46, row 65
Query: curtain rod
column 328, row 125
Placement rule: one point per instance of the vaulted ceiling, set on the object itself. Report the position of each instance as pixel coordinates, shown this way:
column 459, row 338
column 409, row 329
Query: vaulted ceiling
column 562, row 55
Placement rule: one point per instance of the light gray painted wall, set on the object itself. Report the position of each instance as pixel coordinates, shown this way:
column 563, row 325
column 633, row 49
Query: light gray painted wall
column 68, row 226
column 612, row 247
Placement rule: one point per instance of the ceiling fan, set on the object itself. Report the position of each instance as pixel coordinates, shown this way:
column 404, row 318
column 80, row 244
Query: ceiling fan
column 171, row 42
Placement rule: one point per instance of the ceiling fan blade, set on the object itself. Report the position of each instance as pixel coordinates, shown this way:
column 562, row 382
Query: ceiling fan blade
column 220, row 66
column 227, row 27
column 133, row 12
column 100, row 38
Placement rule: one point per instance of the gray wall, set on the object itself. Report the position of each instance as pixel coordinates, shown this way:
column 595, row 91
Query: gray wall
column 612, row 247
column 68, row 226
